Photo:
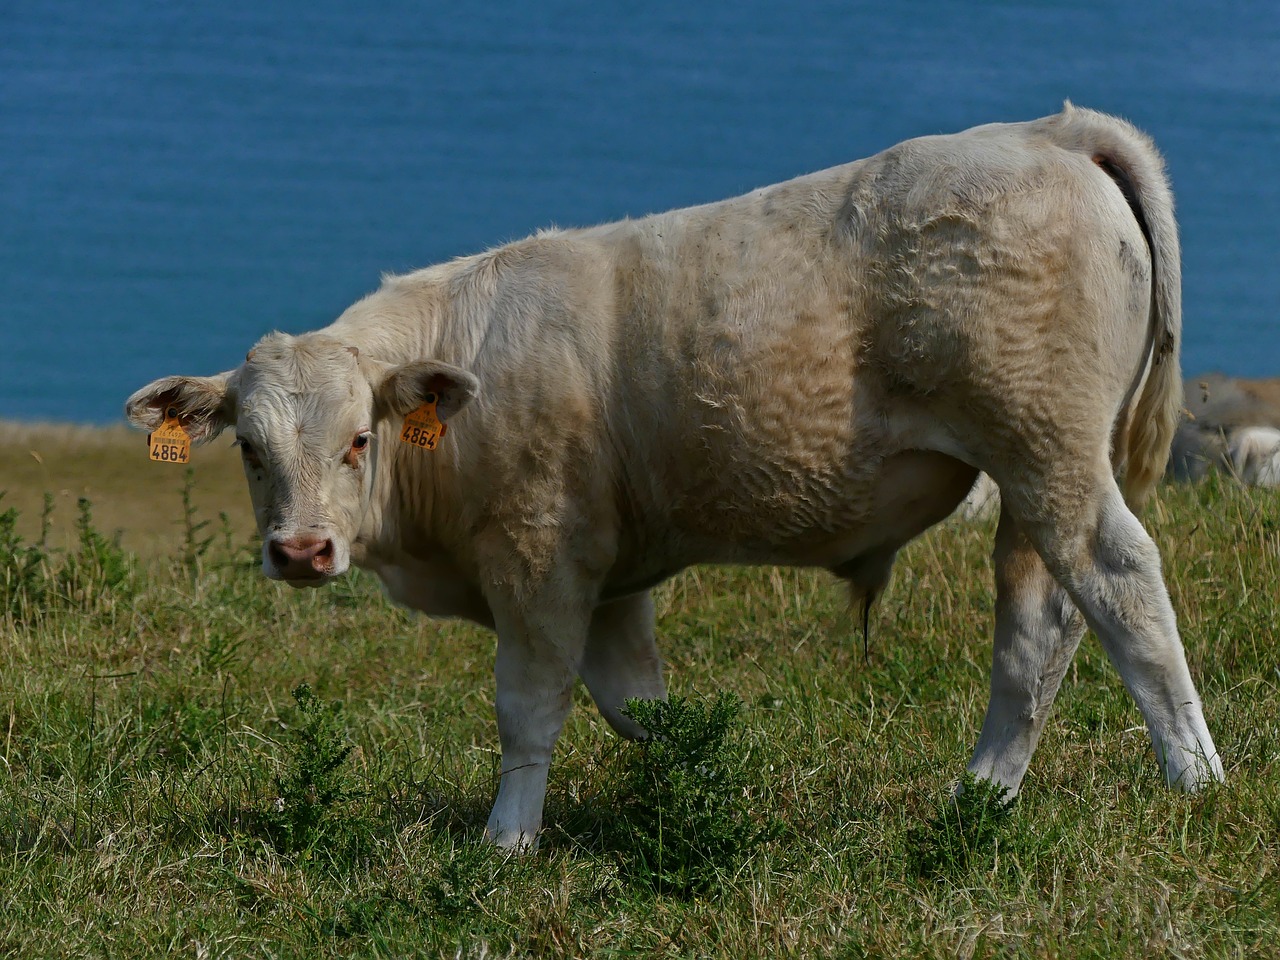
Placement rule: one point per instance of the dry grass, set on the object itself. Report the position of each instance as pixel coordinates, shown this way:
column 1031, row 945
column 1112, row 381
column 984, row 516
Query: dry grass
column 129, row 493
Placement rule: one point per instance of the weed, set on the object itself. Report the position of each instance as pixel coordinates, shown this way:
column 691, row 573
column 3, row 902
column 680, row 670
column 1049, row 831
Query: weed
column 316, row 778
column 684, row 818
column 227, row 531
column 46, row 521
column 98, row 570
column 35, row 581
column 24, row 581
column 964, row 834
column 194, row 545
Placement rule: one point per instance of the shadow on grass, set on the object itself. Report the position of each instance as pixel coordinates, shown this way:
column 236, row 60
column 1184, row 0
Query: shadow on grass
column 316, row 809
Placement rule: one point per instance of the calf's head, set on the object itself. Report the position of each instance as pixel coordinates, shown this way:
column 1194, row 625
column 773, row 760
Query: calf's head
column 306, row 412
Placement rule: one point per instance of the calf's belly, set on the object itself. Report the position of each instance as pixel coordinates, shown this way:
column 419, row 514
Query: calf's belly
column 823, row 522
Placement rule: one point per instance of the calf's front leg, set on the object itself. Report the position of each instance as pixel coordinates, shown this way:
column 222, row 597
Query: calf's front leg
column 540, row 647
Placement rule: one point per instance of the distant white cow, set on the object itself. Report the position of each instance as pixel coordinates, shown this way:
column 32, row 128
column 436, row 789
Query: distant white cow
column 1231, row 424
column 810, row 374
column 1254, row 453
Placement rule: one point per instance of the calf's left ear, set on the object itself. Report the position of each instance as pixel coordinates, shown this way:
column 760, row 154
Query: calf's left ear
column 407, row 387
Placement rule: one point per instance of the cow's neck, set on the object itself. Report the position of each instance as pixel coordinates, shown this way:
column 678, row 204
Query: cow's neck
column 416, row 317
column 416, row 502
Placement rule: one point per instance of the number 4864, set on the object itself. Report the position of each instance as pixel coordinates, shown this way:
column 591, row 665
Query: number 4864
column 171, row 452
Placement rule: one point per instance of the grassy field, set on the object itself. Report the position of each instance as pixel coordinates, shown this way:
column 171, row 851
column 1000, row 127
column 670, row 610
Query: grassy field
column 170, row 788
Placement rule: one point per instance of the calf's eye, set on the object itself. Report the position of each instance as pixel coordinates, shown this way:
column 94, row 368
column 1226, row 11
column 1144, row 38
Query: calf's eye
column 358, row 445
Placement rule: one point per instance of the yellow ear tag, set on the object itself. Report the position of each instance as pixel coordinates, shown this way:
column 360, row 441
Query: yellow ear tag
column 422, row 427
column 170, row 442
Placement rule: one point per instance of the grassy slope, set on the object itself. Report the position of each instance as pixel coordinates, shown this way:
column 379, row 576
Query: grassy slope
column 145, row 733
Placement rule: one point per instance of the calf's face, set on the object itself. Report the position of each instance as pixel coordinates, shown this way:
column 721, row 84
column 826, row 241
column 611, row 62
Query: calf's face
column 305, row 412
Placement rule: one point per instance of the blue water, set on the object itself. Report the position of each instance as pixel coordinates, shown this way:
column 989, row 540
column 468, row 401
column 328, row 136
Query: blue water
column 177, row 179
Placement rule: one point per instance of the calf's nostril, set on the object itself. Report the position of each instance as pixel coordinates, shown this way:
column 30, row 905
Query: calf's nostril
column 326, row 551
column 278, row 555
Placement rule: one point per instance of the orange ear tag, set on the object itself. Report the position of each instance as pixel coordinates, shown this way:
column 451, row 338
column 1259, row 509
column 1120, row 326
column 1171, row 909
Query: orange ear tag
column 422, row 427
column 170, row 442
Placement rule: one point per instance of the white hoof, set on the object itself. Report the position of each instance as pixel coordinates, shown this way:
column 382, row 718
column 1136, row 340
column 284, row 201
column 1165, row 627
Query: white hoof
column 1190, row 769
column 515, row 839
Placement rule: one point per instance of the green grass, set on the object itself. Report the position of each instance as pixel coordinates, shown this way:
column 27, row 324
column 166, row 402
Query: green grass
column 170, row 787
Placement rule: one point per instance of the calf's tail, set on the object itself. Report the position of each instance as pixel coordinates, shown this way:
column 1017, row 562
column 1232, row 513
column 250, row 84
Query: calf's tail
column 1147, row 423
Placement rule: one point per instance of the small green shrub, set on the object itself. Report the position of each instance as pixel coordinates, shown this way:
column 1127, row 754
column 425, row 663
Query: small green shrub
column 195, row 543
column 24, row 575
column 316, row 778
column 684, row 819
column 98, row 569
column 964, row 834
column 35, row 580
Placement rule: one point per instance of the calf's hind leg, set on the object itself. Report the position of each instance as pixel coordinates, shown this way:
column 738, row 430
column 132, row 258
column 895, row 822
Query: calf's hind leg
column 1100, row 553
column 1037, row 632
column 621, row 660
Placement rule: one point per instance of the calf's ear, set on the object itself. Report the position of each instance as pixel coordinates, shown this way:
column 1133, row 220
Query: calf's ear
column 407, row 387
column 203, row 405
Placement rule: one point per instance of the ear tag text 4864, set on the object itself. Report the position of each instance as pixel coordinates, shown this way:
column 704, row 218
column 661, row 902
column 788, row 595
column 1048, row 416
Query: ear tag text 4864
column 170, row 442
column 423, row 427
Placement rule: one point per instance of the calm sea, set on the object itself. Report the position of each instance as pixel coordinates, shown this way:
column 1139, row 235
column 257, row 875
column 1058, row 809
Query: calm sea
column 177, row 179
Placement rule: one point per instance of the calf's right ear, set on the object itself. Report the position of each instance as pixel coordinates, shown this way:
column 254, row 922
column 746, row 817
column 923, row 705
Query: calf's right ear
column 203, row 405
